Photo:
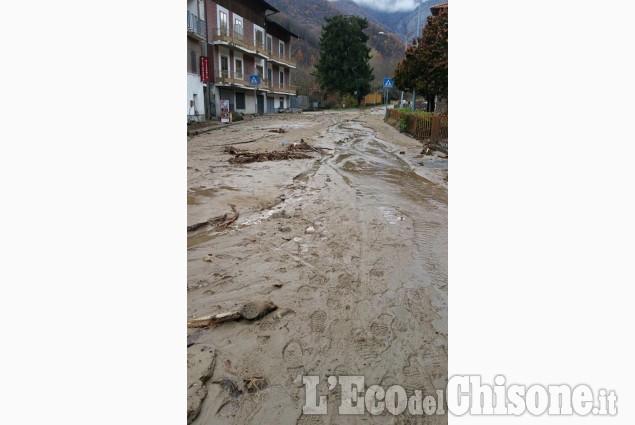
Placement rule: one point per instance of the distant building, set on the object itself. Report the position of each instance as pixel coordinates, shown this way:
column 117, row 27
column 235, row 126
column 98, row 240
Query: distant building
column 242, row 42
column 196, row 43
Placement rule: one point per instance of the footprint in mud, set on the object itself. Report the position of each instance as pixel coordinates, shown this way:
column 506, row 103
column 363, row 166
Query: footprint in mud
column 318, row 322
column 306, row 292
column 317, row 280
column 345, row 281
column 376, row 273
column 333, row 303
column 369, row 350
column 310, row 420
column 400, row 326
column 292, row 355
column 380, row 328
column 228, row 409
column 414, row 379
column 263, row 339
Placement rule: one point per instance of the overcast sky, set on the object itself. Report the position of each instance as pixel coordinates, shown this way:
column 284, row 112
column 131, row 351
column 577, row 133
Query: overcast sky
column 390, row 5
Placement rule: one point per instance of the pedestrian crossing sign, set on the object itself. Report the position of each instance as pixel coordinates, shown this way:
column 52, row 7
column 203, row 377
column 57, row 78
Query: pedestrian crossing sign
column 388, row 84
column 254, row 79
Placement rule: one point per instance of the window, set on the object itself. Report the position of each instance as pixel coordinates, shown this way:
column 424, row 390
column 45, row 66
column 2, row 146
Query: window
column 224, row 66
column 260, row 37
column 238, row 66
column 260, row 71
column 269, row 76
column 240, row 100
column 269, row 44
column 193, row 61
column 238, row 27
column 222, row 23
column 282, row 49
column 281, row 78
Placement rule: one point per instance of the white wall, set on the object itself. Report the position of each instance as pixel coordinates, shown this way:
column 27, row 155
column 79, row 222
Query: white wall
column 250, row 102
column 195, row 86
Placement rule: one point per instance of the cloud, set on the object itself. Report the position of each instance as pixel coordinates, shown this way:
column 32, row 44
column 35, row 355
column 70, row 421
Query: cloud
column 389, row 5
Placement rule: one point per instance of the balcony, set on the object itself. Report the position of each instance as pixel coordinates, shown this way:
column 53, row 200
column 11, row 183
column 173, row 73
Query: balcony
column 195, row 26
column 224, row 36
column 284, row 60
column 285, row 88
column 226, row 78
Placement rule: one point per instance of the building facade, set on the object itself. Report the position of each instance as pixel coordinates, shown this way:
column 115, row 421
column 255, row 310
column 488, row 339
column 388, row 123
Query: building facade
column 243, row 42
column 196, row 47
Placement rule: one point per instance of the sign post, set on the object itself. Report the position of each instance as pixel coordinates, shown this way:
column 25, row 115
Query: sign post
column 388, row 84
column 254, row 80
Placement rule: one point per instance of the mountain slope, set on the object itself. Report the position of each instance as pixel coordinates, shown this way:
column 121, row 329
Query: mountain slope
column 306, row 17
column 395, row 22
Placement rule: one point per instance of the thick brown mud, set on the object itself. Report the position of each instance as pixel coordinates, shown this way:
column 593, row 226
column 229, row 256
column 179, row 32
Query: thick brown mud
column 364, row 291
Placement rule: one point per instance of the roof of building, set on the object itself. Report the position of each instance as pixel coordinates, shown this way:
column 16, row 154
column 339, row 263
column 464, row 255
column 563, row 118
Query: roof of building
column 273, row 24
column 270, row 7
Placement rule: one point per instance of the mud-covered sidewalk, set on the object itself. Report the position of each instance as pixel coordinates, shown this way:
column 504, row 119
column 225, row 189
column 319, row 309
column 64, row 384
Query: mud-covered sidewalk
column 350, row 246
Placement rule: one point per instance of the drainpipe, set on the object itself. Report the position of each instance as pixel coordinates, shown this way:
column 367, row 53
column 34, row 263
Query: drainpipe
column 208, row 101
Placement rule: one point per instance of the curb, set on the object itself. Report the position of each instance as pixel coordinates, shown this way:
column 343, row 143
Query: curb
column 215, row 127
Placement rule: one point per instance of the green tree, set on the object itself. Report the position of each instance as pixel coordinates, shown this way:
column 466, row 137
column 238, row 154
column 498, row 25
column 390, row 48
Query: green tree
column 343, row 66
column 425, row 67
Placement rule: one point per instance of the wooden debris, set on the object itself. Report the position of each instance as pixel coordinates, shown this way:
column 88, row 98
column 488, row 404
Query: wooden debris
column 293, row 151
column 280, row 313
column 246, row 157
column 254, row 384
column 199, row 322
column 220, row 221
column 225, row 317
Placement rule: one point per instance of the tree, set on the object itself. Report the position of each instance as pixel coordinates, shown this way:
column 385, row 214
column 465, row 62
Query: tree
column 343, row 66
column 425, row 67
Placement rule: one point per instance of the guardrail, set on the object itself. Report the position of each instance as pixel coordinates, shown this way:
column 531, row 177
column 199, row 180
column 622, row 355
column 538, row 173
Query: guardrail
column 195, row 25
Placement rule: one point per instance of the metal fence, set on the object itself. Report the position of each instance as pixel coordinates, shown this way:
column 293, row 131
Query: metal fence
column 433, row 128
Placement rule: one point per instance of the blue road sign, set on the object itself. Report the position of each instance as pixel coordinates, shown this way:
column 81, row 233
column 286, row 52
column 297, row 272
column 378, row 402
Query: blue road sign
column 388, row 83
column 254, row 79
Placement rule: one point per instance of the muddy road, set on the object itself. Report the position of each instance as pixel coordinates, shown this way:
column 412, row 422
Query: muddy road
column 350, row 245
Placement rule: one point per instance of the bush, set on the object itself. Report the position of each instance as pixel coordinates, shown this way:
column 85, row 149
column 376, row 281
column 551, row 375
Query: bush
column 403, row 123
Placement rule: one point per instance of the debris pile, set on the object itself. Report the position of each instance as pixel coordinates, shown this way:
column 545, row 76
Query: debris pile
column 293, row 151
column 251, row 310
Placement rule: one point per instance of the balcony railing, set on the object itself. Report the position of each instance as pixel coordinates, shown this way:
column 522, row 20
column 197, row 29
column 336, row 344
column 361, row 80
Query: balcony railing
column 225, row 77
column 195, row 25
column 238, row 39
column 283, row 59
column 282, row 88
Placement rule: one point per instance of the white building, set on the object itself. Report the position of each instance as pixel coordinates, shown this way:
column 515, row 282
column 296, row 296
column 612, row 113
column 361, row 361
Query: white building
column 196, row 46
